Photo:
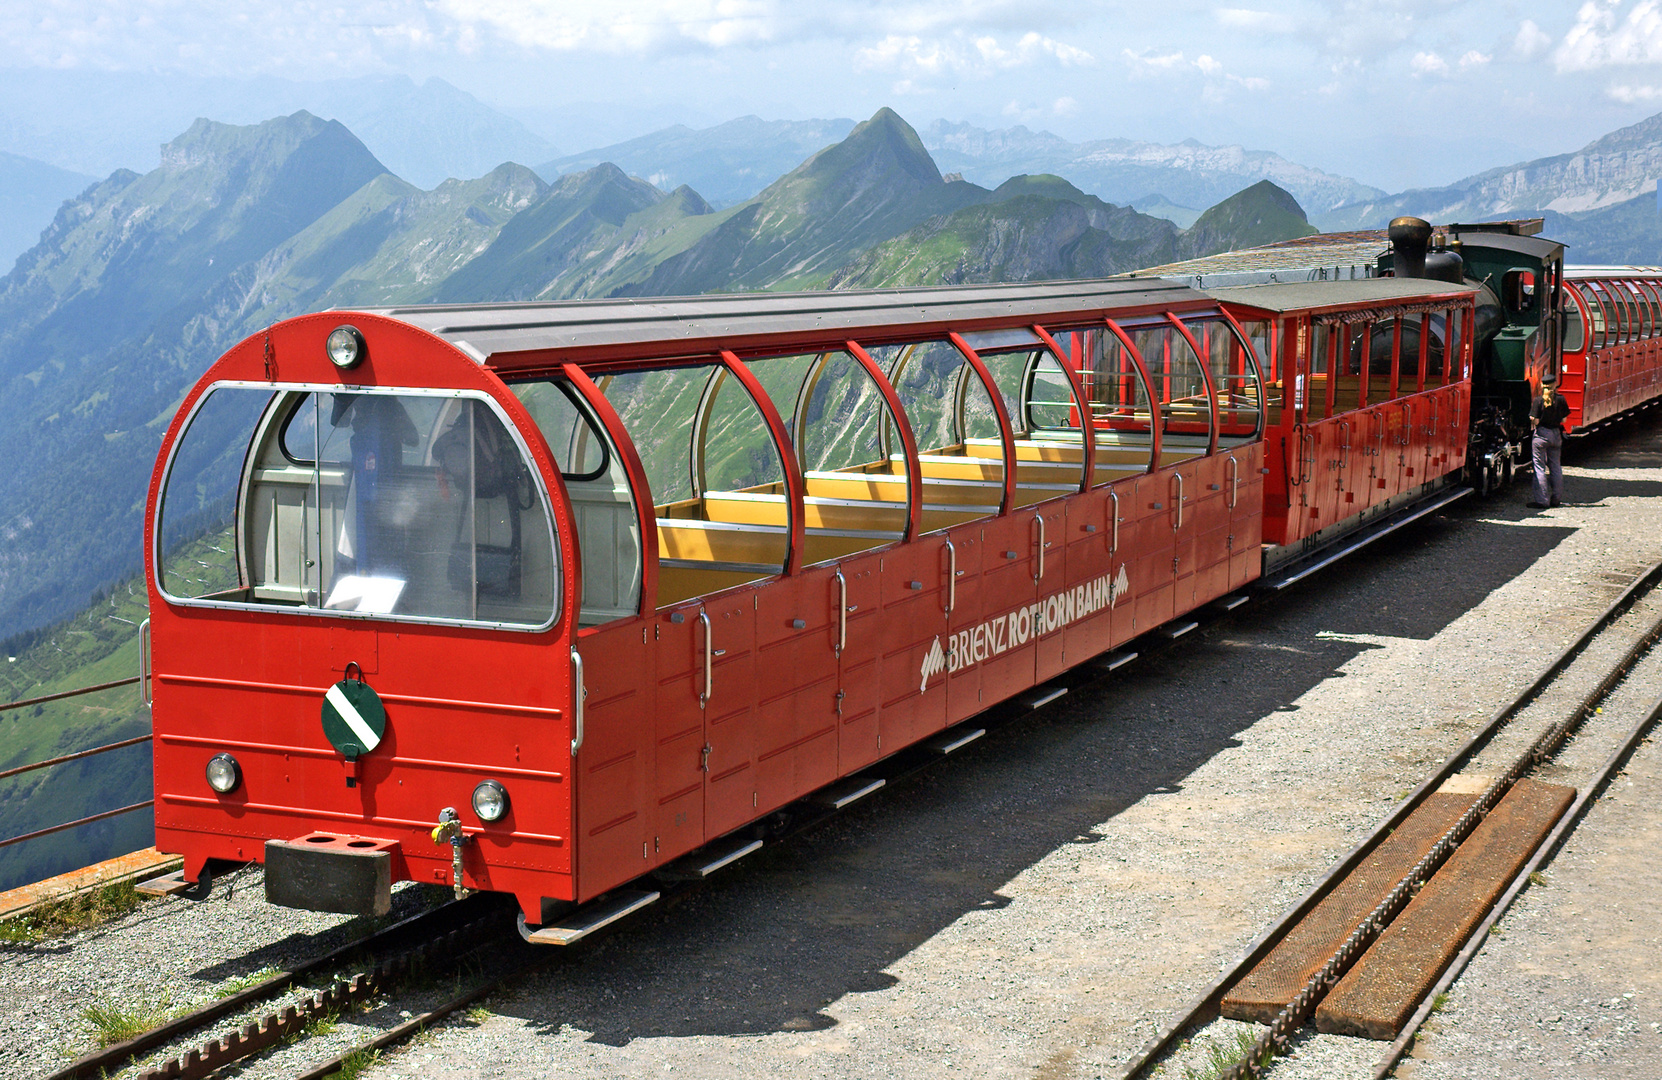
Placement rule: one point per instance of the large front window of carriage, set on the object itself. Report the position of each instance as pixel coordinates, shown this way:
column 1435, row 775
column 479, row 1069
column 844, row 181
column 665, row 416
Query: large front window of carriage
column 396, row 505
column 715, row 476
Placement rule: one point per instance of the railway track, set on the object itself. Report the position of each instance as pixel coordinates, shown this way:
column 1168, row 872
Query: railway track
column 1497, row 781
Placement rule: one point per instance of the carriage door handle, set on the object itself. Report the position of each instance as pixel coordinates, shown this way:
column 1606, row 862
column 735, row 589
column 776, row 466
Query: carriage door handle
column 1179, row 524
column 146, row 694
column 951, row 577
column 842, row 613
column 1040, row 518
column 581, row 693
column 704, row 698
column 1234, row 481
column 1344, row 453
column 1114, row 525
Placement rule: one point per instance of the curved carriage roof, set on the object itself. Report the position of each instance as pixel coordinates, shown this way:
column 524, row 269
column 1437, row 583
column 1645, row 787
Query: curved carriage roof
column 524, row 335
column 1316, row 295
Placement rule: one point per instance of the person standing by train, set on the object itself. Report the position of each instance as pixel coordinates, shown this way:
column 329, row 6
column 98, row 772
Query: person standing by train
column 1547, row 414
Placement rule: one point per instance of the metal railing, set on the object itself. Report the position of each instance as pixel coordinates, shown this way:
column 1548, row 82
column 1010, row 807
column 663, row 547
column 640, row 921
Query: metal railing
column 49, row 762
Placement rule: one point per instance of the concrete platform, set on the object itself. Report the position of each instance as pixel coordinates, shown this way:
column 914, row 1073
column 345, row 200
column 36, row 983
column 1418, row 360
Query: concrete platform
column 1378, row 995
column 1279, row 977
column 131, row 867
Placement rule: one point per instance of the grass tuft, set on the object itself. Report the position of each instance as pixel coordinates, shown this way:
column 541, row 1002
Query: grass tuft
column 1221, row 1057
column 84, row 911
column 1439, row 1003
column 113, row 1021
column 1538, row 878
column 243, row 982
column 356, row 1062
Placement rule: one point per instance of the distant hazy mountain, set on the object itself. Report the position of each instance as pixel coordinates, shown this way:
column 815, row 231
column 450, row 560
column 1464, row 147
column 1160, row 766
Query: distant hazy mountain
column 1605, row 172
column 1625, row 234
column 94, row 122
column 30, row 193
column 726, row 164
column 1126, row 171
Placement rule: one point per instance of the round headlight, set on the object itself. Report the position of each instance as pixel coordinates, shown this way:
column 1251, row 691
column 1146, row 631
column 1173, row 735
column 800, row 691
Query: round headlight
column 490, row 801
column 224, row 774
column 346, row 347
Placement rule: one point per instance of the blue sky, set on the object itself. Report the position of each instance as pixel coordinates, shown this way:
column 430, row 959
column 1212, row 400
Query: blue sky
column 1392, row 92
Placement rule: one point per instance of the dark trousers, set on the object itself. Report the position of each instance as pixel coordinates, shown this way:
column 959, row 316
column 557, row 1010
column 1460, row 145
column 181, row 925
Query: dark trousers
column 1547, row 449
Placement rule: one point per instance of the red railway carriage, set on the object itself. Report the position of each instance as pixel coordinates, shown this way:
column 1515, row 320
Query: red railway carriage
column 1368, row 388
column 1612, row 342
column 620, row 578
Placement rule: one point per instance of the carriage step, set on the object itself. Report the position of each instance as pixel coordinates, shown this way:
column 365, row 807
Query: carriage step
column 951, row 741
column 837, row 796
column 707, row 860
column 586, row 920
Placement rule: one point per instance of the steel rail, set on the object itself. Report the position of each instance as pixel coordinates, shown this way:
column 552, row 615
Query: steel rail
column 111, row 1058
column 1205, row 1007
column 1548, row 849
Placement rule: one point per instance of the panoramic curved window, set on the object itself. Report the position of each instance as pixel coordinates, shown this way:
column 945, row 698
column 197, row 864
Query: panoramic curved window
column 1236, row 382
column 1180, row 386
column 403, row 505
column 1121, row 418
column 1050, row 452
column 715, row 475
column 960, row 447
column 601, row 498
column 1575, row 331
column 857, row 489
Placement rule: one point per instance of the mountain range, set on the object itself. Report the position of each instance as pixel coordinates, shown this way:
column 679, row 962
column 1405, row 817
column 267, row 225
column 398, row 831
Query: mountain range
column 1617, row 168
column 143, row 279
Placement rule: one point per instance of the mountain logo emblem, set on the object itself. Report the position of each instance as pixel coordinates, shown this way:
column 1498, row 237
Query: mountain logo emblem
column 934, row 662
column 1122, row 585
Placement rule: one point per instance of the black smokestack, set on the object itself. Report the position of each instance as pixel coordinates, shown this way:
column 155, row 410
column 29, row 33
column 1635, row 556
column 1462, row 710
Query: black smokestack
column 1409, row 237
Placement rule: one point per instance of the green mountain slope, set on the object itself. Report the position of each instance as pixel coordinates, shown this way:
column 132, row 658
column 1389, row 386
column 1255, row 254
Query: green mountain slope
column 875, row 184
column 1260, row 214
column 96, row 340
column 1034, row 228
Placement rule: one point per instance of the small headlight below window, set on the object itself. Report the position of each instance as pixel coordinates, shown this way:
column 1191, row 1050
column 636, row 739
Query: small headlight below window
column 345, row 346
column 490, row 801
column 224, row 774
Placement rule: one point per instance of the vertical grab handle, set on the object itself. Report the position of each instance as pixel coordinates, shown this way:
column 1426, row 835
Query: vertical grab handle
column 144, row 664
column 704, row 698
column 580, row 693
column 1179, row 524
column 1114, row 523
column 1234, row 481
column 1040, row 518
column 952, row 577
column 842, row 612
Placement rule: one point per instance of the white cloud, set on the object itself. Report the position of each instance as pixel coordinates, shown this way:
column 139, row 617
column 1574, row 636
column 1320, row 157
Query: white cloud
column 1428, row 63
column 1636, row 95
column 1474, row 59
column 1531, row 41
column 1148, row 65
column 1602, row 38
column 1064, row 106
column 985, row 54
column 1250, row 19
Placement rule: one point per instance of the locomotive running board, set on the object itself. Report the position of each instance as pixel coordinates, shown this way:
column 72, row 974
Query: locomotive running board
column 706, row 861
column 586, row 920
column 1355, row 541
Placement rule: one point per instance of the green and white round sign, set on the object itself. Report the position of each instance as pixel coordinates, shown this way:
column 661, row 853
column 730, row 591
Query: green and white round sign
column 353, row 718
